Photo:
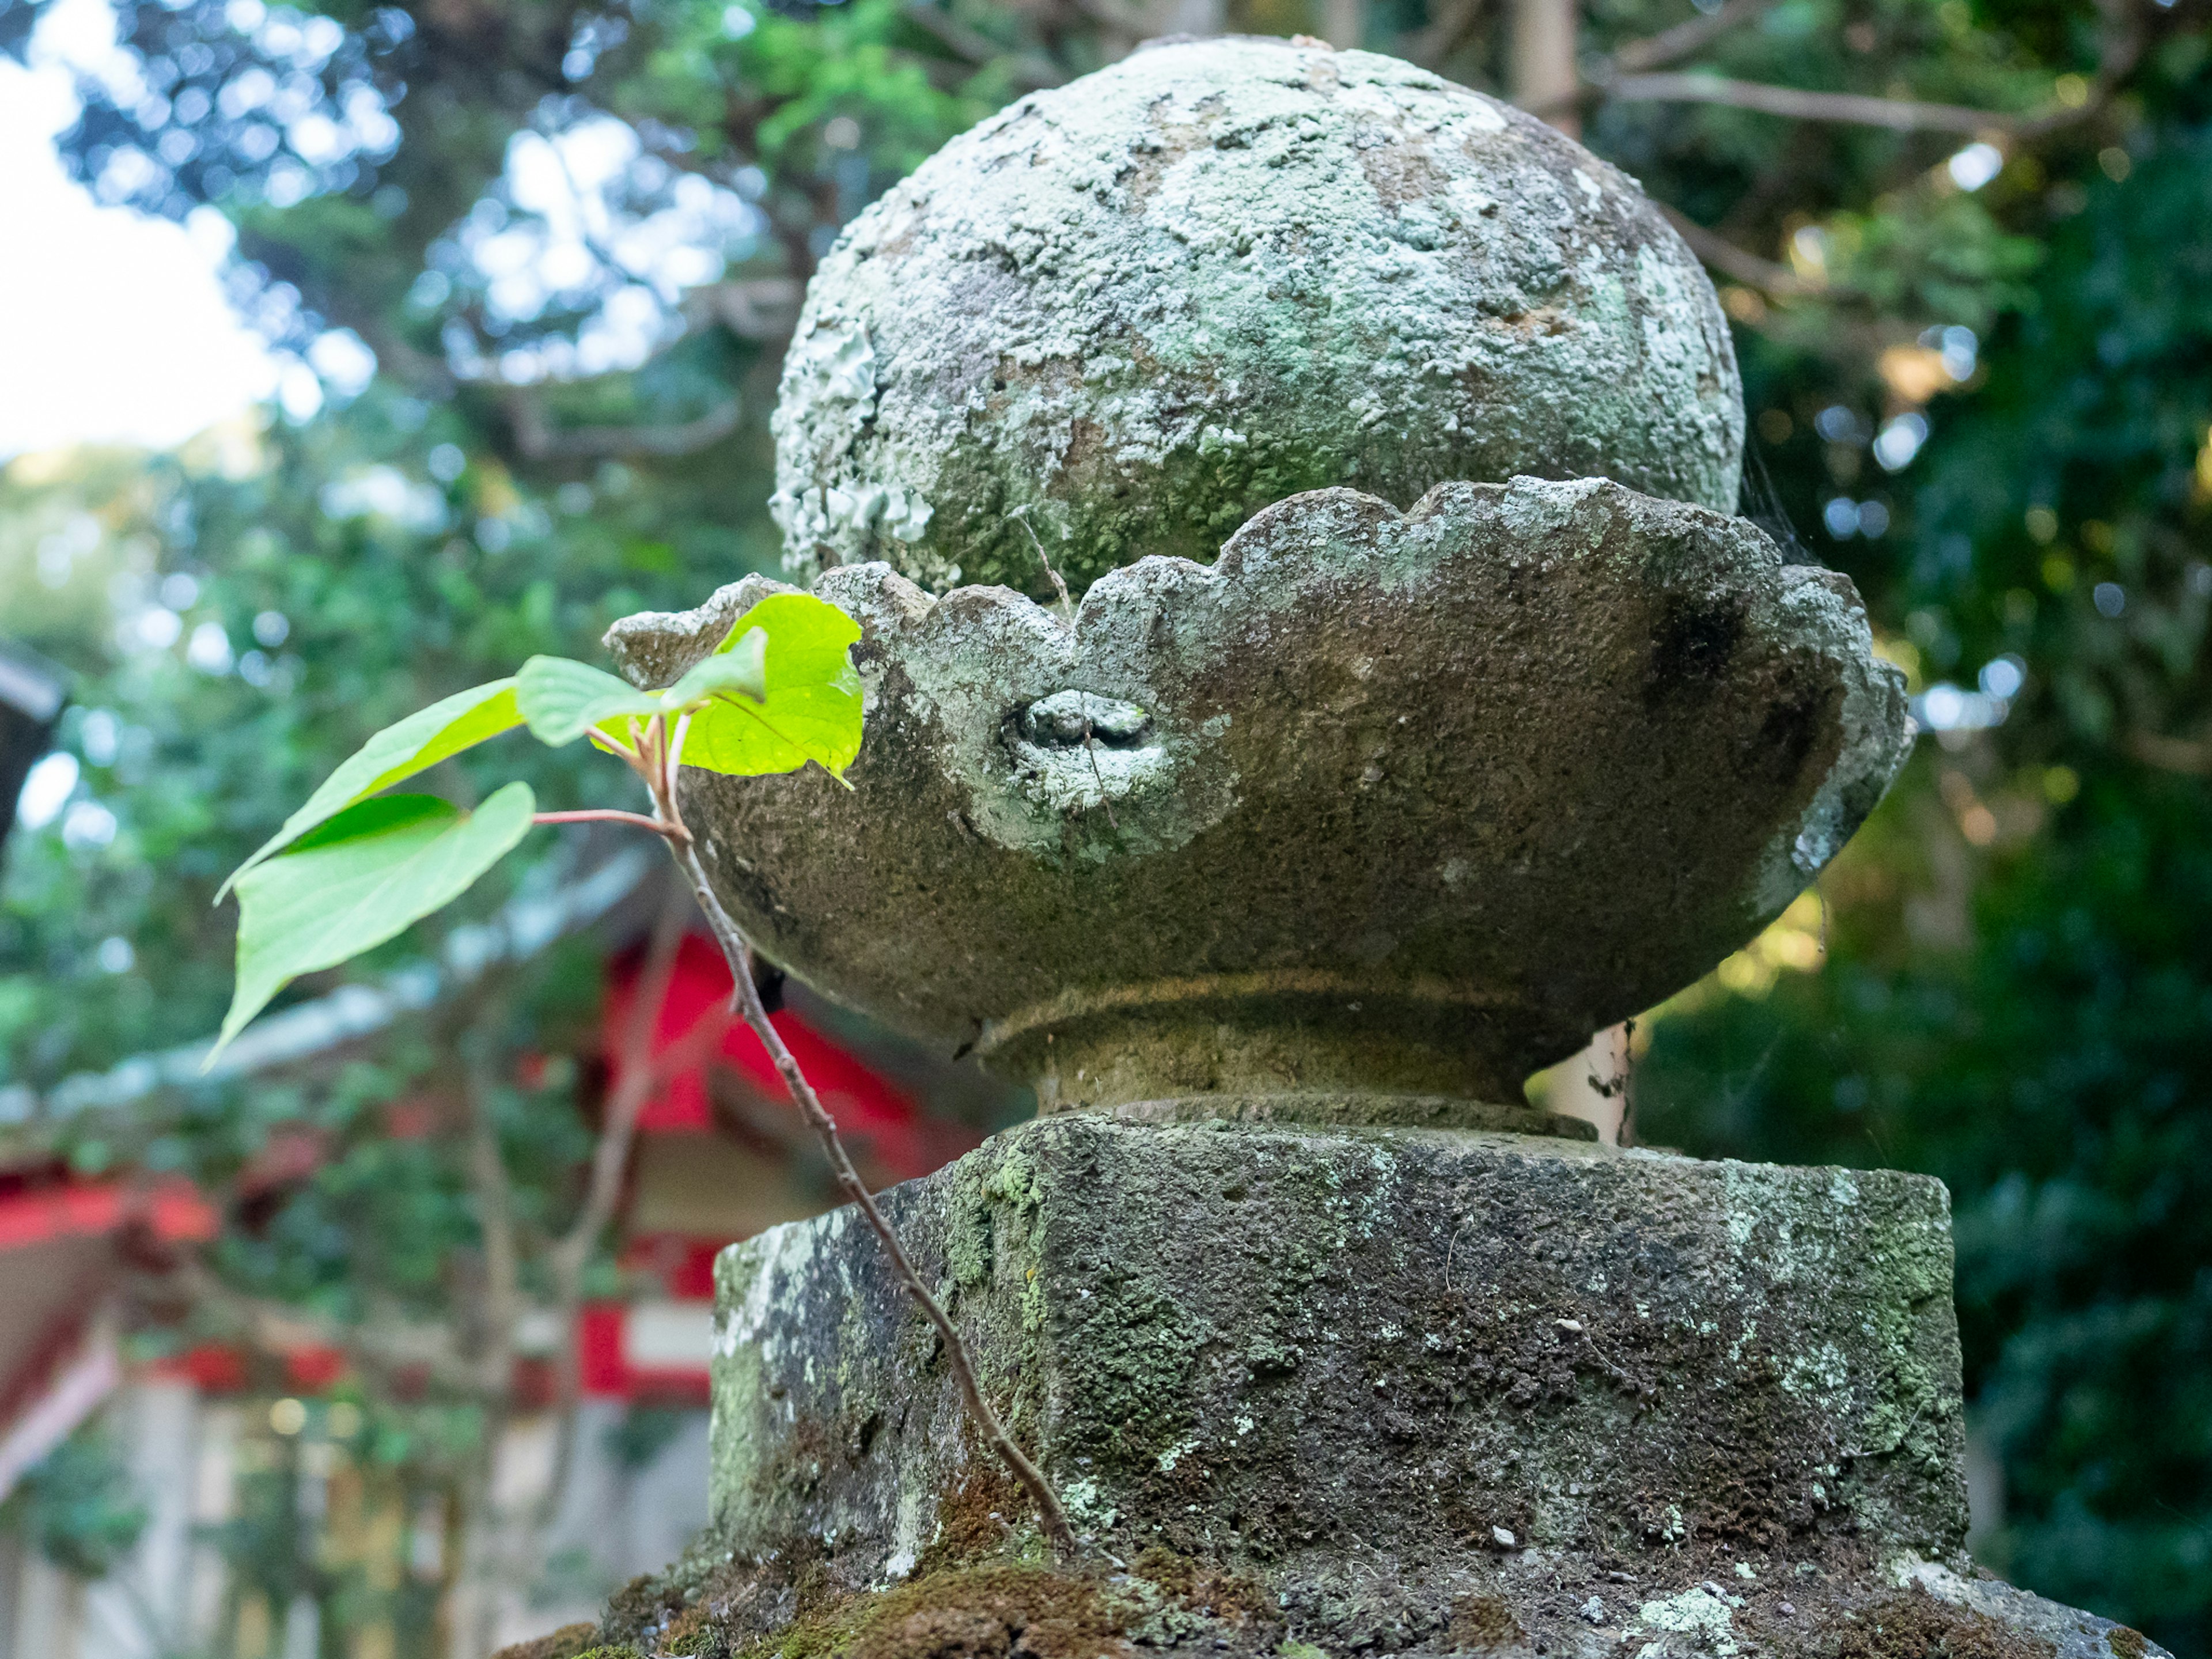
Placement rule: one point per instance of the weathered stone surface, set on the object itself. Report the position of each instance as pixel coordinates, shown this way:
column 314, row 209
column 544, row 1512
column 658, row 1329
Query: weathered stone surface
column 1267, row 1340
column 1405, row 803
column 1133, row 310
column 1387, row 1391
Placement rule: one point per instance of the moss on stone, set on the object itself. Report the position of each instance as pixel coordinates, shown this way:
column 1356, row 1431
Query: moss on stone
column 1910, row 1625
column 569, row 1642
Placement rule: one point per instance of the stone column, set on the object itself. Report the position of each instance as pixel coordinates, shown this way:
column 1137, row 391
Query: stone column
column 1425, row 710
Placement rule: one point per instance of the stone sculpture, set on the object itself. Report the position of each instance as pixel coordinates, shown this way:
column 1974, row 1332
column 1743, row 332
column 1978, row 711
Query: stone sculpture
column 1278, row 871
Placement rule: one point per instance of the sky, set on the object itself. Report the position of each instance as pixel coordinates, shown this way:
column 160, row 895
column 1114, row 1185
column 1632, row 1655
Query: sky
column 113, row 327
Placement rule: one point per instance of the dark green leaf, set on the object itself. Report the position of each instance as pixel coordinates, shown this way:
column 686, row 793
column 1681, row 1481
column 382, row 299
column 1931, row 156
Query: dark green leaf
column 364, row 877
column 395, row 754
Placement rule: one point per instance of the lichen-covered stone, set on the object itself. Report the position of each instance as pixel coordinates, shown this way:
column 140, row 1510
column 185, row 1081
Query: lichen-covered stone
column 1124, row 315
column 1396, row 1391
column 1402, row 804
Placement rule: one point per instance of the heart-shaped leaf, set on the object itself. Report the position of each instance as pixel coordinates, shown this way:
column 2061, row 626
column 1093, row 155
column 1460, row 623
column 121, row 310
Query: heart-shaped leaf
column 562, row 699
column 364, row 875
column 398, row 752
column 739, row 666
column 812, row 710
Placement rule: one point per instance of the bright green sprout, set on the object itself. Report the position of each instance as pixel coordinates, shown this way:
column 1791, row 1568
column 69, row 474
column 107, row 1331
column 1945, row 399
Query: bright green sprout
column 355, row 868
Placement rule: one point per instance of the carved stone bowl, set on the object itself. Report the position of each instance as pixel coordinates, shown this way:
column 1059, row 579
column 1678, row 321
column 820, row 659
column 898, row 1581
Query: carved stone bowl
column 1397, row 806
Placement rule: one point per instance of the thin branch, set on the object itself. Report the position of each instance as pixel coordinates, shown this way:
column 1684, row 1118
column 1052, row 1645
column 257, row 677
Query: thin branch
column 762, row 308
column 540, row 440
column 1029, row 71
column 1453, row 23
column 1021, row 515
column 1742, row 264
column 565, row 1263
column 737, row 951
column 632, row 1089
column 1672, row 46
column 2188, row 758
column 603, row 815
column 488, row 1185
column 1852, row 108
column 378, row 1350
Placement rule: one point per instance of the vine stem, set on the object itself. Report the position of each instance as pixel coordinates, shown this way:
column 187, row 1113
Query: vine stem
column 657, row 767
column 604, row 814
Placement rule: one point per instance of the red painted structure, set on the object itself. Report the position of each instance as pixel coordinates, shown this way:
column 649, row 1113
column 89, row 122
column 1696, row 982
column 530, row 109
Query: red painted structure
column 721, row 1151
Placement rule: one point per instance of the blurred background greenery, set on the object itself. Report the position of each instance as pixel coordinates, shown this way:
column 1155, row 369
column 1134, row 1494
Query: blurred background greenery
column 537, row 260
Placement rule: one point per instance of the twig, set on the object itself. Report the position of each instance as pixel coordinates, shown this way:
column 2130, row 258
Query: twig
column 1452, row 22
column 2190, row 759
column 1741, row 263
column 538, row 440
column 603, row 815
column 657, row 763
column 503, row 1285
column 1021, row 515
column 1672, row 46
column 1029, row 71
column 1851, row 108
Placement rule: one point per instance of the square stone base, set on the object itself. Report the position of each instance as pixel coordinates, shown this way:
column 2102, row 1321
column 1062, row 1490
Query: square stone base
column 1412, row 1388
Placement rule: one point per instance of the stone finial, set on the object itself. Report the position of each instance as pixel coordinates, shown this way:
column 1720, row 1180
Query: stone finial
column 1397, row 790
column 1128, row 313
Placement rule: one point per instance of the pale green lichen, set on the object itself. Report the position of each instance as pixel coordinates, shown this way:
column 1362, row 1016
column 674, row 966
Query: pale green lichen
column 1133, row 310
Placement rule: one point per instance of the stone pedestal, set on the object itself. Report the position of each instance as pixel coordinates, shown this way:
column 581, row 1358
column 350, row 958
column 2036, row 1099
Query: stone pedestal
column 1376, row 1390
column 1276, row 866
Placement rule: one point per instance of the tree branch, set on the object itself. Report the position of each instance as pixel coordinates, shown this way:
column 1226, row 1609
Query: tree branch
column 2189, row 758
column 375, row 1348
column 1451, row 25
column 1029, row 71
column 1852, row 108
column 634, row 1084
column 1746, row 267
column 761, row 308
column 488, row 1183
column 539, row 441
column 1672, row 46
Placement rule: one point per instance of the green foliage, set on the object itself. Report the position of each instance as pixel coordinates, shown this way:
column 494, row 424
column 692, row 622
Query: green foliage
column 80, row 1507
column 361, row 877
column 810, row 707
column 560, row 700
column 350, row 870
column 2022, row 1003
column 396, row 754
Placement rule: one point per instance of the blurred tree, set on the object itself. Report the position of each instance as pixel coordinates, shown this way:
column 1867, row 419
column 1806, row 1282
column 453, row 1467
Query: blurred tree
column 1964, row 246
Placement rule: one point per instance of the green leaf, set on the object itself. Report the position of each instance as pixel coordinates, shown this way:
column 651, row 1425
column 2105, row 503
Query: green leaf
column 562, row 699
column 812, row 709
column 398, row 752
column 363, row 877
column 741, row 669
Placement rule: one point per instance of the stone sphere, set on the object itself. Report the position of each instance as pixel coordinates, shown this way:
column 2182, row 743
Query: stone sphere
column 1119, row 318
